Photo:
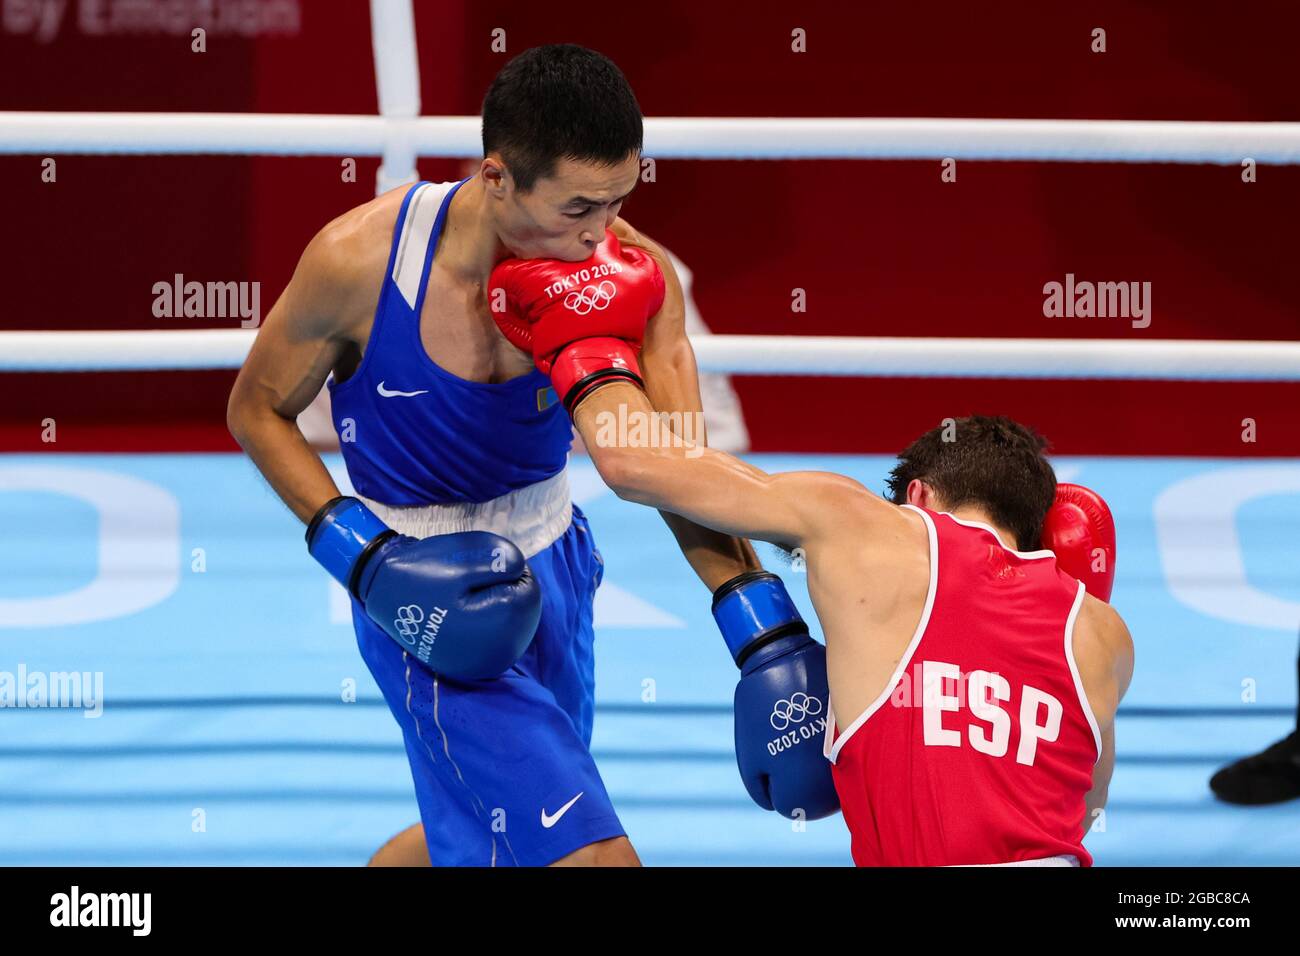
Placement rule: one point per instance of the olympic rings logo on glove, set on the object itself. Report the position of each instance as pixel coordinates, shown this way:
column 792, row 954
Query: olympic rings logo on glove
column 794, row 710
column 408, row 621
column 591, row 297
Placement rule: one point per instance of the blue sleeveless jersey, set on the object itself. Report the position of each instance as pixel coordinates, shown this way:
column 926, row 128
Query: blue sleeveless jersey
column 411, row 433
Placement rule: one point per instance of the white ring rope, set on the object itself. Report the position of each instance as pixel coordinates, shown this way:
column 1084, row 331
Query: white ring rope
column 399, row 135
column 1160, row 359
column 1128, row 141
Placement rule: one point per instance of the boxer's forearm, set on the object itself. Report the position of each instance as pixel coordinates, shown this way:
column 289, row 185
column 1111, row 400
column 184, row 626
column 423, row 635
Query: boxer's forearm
column 709, row 488
column 672, row 385
column 1095, row 800
column 286, row 460
column 715, row 557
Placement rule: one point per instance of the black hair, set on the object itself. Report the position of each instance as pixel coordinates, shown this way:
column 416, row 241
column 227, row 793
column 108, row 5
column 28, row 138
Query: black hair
column 559, row 102
column 990, row 461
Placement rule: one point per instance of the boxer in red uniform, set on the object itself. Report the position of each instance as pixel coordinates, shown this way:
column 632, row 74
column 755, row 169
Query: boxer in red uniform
column 974, row 665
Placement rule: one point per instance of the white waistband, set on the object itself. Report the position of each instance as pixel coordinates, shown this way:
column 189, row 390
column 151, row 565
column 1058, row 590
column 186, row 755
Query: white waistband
column 532, row 517
column 1068, row 859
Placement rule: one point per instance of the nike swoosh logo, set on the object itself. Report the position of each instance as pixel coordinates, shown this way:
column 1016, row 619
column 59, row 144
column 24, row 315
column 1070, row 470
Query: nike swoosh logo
column 549, row 821
column 393, row 393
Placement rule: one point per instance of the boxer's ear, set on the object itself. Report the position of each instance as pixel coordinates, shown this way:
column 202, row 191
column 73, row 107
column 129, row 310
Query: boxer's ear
column 920, row 494
column 494, row 173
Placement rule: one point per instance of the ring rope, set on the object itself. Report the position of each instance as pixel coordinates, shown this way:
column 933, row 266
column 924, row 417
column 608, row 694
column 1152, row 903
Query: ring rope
column 1126, row 141
column 1160, row 359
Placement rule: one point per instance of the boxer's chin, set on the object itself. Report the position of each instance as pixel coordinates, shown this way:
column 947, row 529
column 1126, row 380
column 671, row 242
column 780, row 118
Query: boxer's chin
column 573, row 253
column 564, row 252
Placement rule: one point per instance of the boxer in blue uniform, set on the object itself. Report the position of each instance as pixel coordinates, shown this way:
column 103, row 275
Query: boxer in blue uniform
column 498, row 762
column 471, row 572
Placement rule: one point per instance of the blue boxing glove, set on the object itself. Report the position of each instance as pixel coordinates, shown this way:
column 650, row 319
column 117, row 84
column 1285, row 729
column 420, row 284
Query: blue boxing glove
column 782, row 700
column 466, row 605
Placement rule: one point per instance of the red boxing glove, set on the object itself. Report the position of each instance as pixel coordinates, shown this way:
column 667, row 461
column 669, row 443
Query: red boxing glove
column 583, row 322
column 1080, row 529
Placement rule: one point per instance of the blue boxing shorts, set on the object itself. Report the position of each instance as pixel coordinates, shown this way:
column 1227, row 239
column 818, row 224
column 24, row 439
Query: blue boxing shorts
column 503, row 769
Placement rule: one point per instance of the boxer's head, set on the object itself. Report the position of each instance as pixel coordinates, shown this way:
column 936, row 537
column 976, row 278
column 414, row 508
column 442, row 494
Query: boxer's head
column 990, row 462
column 561, row 150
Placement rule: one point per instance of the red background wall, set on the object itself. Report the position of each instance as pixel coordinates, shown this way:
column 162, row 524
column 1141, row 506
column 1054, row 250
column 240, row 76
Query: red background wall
column 882, row 248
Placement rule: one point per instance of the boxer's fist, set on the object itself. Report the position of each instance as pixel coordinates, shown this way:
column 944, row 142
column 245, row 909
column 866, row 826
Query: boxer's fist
column 583, row 322
column 1079, row 528
column 465, row 605
column 782, row 701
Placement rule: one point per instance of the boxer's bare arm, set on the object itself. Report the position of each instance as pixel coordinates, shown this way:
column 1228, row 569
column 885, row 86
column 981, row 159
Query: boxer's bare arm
column 717, row 490
column 1096, row 799
column 1104, row 655
column 672, row 384
column 314, row 322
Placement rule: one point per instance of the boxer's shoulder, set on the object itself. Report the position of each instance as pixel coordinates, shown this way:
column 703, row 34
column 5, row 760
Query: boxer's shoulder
column 340, row 274
column 628, row 235
column 623, row 229
column 850, row 514
column 357, row 243
column 885, row 521
column 1103, row 653
column 1103, row 626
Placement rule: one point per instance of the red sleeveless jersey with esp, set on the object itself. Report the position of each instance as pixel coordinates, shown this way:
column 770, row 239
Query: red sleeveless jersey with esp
column 981, row 748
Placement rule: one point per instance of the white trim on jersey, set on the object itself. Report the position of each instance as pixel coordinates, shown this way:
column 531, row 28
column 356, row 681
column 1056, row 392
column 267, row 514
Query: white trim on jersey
column 832, row 751
column 421, row 213
column 1066, row 859
column 1074, row 670
column 1027, row 555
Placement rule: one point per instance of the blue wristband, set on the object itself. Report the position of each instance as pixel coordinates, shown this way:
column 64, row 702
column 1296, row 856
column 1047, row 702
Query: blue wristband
column 754, row 609
column 339, row 533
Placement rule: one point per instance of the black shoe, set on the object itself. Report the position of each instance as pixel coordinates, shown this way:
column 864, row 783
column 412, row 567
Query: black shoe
column 1272, row 776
